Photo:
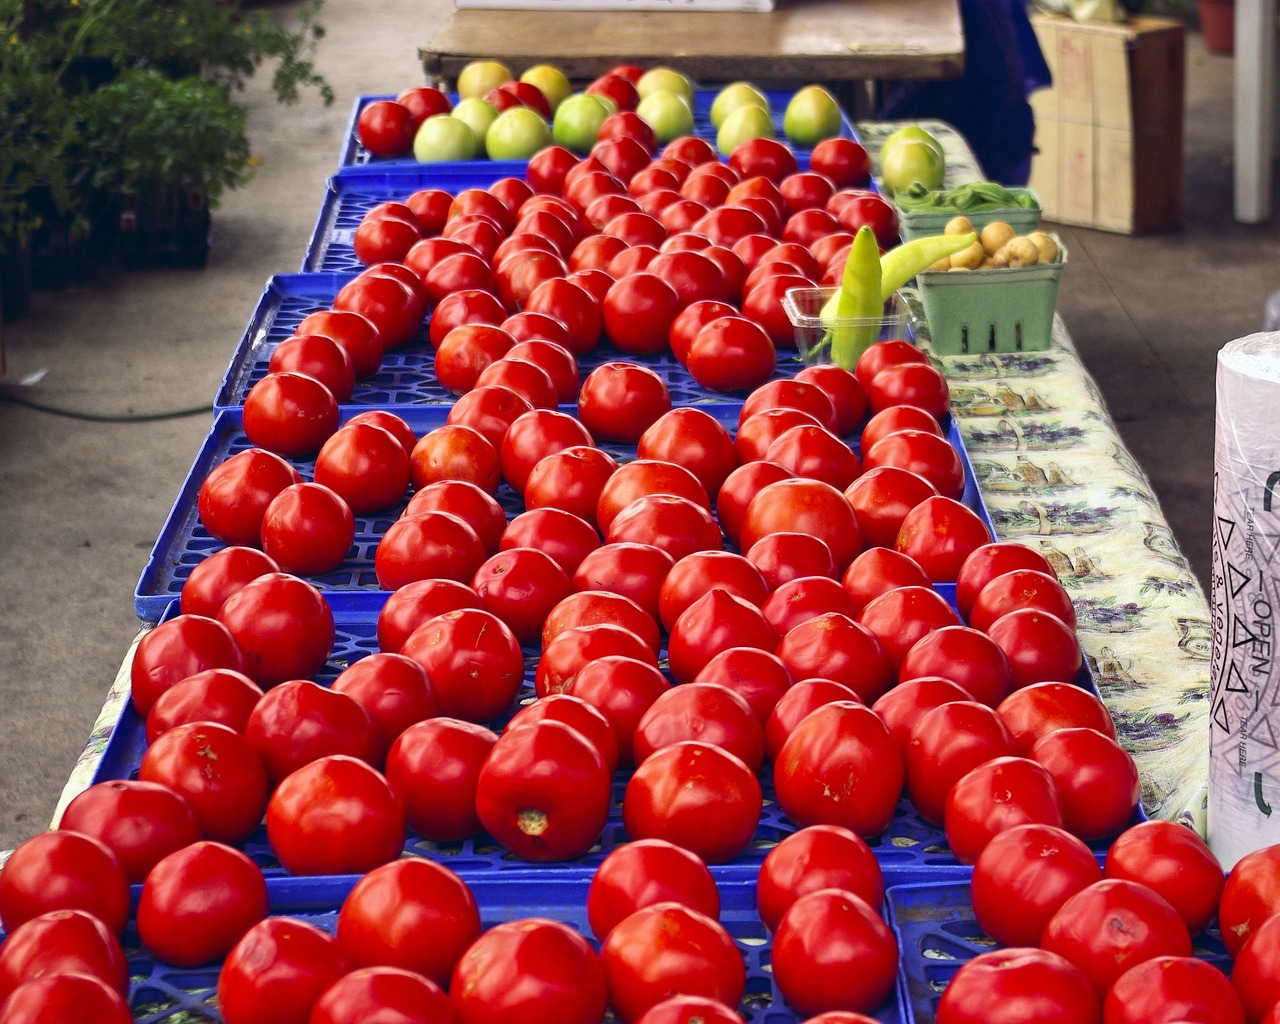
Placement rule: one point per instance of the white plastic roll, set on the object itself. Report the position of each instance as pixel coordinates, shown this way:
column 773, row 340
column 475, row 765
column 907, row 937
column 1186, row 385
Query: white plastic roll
column 1244, row 729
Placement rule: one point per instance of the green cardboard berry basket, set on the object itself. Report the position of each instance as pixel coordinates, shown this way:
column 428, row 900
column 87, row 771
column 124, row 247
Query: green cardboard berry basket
column 1009, row 309
column 923, row 223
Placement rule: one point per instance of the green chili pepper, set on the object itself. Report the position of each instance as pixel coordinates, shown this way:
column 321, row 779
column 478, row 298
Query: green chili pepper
column 857, row 299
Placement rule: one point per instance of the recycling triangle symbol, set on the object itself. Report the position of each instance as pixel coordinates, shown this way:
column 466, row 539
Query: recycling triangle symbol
column 1220, row 715
column 1234, row 681
column 1241, row 634
column 1226, row 527
column 1237, row 580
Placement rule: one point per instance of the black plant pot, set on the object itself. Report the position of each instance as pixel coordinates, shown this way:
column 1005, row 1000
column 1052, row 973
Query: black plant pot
column 164, row 226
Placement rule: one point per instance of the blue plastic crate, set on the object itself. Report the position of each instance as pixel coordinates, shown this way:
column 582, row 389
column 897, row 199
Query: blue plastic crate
column 407, row 376
column 355, row 156
column 158, row 992
column 937, row 933
column 183, row 542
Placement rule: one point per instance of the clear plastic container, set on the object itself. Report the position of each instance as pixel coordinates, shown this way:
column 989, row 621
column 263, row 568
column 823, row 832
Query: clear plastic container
column 813, row 335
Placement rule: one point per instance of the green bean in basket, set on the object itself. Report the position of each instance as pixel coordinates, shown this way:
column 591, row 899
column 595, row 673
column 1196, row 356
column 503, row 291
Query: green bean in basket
column 967, row 198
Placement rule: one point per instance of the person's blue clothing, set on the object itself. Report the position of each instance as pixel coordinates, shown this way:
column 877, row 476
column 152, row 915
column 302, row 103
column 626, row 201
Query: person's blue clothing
column 988, row 102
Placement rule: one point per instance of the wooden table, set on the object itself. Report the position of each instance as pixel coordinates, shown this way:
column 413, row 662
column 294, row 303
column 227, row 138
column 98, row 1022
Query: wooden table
column 833, row 41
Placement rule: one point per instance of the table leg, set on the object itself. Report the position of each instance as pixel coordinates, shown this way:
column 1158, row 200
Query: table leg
column 1255, row 89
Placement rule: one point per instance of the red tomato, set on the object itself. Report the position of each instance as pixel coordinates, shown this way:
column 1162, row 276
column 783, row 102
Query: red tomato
column 764, row 156
column 534, row 436
column 289, row 414
column 677, row 525
column 434, row 767
column 843, row 160
column 1040, row 647
column 785, row 557
column 1255, row 974
column 542, row 341
column 316, row 356
column 879, row 571
column 572, row 649
column 594, row 607
column 760, row 430
column 706, row 712
column 638, row 311
column 544, row 792
column 413, row 604
column 759, row 677
column 806, row 190
column 469, row 306
column 996, row 796
column 464, row 271
column 739, row 487
column 694, row 439
column 858, row 207
column 621, row 688
column 911, row 699
column 833, row 646
column 407, row 997
column 690, row 320
column 731, row 353
column 62, row 870
column 968, row 658
column 428, row 545
column 197, row 903
column 790, row 393
column 991, row 560
column 393, row 689
column 413, row 914
column 521, row 585
column 58, row 997
column 1030, row 986
column 946, row 743
column 141, row 822
column 283, row 625
column 814, row 858
column 1035, row 711
column 215, row 695
column 529, row 971
column 881, row 498
column 335, row 816
column 574, row 305
column 668, row 947
column 804, row 506
column 897, row 417
column 802, row 598
column 918, row 384
column 632, row 570
column 576, row 713
column 694, row 574
column 643, row 872
column 795, row 704
column 923, row 453
column 366, row 466
column 833, row 951
column 694, row 276
column 300, row 721
column 62, row 942
column 685, row 1009
column 904, row 616
column 1110, row 926
column 390, row 422
column 277, row 972
column 473, row 660
column 174, row 650
column 840, row 766
column 472, row 504
column 491, row 408
column 519, row 273
column 939, row 533
column 355, row 333
column 1166, row 989
column 815, row 453
column 619, row 401
column 235, row 494
column 308, row 529
column 697, row 796
column 219, row 773
column 1250, row 896
column 455, row 452
column 715, row 622
column 642, row 477
column 1097, row 779
column 547, row 169
column 1021, row 588
column 391, row 304
column 465, row 351
column 423, row 101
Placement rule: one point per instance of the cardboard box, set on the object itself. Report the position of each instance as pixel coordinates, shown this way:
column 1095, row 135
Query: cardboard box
column 1109, row 132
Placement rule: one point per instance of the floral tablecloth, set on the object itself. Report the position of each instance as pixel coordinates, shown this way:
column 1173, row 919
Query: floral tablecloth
column 1055, row 476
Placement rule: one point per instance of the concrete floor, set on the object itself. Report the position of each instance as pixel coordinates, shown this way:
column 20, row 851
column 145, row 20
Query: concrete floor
column 81, row 502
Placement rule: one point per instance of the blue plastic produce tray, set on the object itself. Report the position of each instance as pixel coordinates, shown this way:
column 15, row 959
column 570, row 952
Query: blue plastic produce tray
column 937, row 933
column 183, row 542
column 407, row 376
column 355, row 156
column 162, row 994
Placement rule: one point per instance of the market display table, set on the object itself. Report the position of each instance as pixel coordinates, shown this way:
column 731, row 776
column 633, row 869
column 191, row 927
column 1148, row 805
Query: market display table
column 833, row 41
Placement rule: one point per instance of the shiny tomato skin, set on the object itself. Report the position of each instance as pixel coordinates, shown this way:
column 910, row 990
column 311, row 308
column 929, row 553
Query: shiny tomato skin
column 197, row 903
column 534, row 436
column 573, row 304
column 219, row 575
column 642, row 477
column 472, row 658
column 403, row 996
column 63, row 870
column 919, row 384
column 813, row 858
column 434, row 767
column 619, row 401
column 638, row 311
column 393, row 689
column 282, row 624
column 1023, row 876
column 219, row 773
column 995, row 796
column 469, row 502
column 991, row 560
column 529, row 971
column 1039, row 645
column 544, row 792
column 643, row 872
column 834, row 646
column 62, row 942
column 621, row 688
column 412, row 913
column 1250, row 896
column 815, row 453
column 894, row 418
column 455, row 451
column 428, row 545
column 680, row 526
column 562, row 536
column 923, row 453
column 366, row 466
column 577, row 647
column 385, row 128
column 595, row 607
column 911, row 699
column 945, row 744
column 390, row 422
column 1110, row 926
column 289, row 414
column 1255, row 975
column 739, row 487
column 1031, row 986
column 881, row 498
column 413, row 604
column 792, row 706
column 665, row 948
column 967, row 657
column 939, row 533
column 1166, row 989
column 316, row 356
column 686, row 1009
column 235, row 494
column 1021, row 588
column 58, row 997
column 1097, row 778
column 760, row 430
column 694, row 574
column 694, row 439
column 570, row 479
column 521, row 585
column 800, row 599
column 1035, row 711
column 576, row 713
column 277, row 972
column 142, row 822
column 697, row 796
column 300, row 721
column 833, row 951
column 336, row 815
column 731, row 353
column 840, row 766
column 308, row 529
column 790, row 393
column 632, row 570
column 715, row 622
column 902, row 617
column 786, row 557
column 758, row 676
column 355, row 333
column 706, row 712
column 805, row 506
column 176, row 649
